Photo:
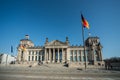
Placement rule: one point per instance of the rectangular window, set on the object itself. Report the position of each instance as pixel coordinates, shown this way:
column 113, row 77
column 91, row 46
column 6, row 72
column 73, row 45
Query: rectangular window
column 42, row 58
column 29, row 52
column 79, row 59
column 71, row 52
column 39, row 58
column 32, row 52
column 39, row 53
column 29, row 58
column 75, row 52
column 36, row 58
column 36, row 52
column 32, row 58
column 42, row 53
column 75, row 58
column 83, row 58
column 71, row 58
column 82, row 52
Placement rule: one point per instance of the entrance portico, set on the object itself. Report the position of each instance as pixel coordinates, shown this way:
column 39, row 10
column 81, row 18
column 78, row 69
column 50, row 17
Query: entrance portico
column 55, row 55
column 55, row 52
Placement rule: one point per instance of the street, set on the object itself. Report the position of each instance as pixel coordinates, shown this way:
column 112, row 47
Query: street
column 46, row 72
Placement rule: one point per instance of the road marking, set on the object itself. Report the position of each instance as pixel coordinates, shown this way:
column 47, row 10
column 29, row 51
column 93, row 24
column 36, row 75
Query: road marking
column 54, row 77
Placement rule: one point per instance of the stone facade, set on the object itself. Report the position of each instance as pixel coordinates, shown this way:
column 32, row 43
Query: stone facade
column 60, row 52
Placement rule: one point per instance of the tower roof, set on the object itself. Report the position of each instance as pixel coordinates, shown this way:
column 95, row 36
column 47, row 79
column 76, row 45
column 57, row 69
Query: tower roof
column 26, row 38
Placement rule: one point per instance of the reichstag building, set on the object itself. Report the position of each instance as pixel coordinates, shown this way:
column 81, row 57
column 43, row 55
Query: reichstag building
column 59, row 52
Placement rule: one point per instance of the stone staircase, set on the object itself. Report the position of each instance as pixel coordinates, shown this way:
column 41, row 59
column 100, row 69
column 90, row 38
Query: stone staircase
column 54, row 65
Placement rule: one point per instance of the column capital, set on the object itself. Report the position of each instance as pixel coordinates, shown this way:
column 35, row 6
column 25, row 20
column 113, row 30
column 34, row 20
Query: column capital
column 45, row 55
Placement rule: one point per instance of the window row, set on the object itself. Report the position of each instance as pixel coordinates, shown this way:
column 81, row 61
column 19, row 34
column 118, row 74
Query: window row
column 37, row 58
column 36, row 53
column 78, row 52
column 75, row 58
column 74, row 52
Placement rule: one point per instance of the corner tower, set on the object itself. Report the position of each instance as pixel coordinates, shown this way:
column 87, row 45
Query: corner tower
column 24, row 44
column 94, row 50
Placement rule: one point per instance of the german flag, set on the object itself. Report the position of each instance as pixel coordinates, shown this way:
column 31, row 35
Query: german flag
column 22, row 47
column 84, row 22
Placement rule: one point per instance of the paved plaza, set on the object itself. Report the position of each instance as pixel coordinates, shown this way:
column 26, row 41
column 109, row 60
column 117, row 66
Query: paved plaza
column 54, row 72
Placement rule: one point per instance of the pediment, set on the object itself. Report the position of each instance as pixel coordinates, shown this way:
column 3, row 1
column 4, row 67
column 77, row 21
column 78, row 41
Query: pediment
column 56, row 43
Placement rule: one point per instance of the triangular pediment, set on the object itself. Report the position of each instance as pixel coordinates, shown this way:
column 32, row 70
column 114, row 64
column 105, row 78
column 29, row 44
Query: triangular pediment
column 56, row 43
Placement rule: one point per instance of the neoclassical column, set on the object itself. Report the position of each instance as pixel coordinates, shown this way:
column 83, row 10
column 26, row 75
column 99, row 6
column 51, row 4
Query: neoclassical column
column 63, row 55
column 37, row 55
column 58, row 56
column 77, row 55
column 41, row 57
column 53, row 54
column 30, row 55
column 49, row 54
column 86, row 56
column 34, row 55
column 73, row 55
column 45, row 55
column 81, row 55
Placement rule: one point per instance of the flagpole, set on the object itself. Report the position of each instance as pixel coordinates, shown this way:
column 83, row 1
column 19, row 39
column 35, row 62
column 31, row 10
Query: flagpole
column 86, row 25
column 84, row 45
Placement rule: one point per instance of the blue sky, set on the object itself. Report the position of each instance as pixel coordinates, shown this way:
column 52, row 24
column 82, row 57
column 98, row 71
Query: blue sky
column 57, row 19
